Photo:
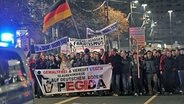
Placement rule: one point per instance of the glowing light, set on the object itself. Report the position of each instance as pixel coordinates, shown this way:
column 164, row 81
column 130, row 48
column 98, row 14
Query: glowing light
column 7, row 37
column 2, row 44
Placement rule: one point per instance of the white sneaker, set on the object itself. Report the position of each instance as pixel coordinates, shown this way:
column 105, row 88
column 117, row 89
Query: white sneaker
column 140, row 93
column 135, row 94
column 115, row 94
column 170, row 93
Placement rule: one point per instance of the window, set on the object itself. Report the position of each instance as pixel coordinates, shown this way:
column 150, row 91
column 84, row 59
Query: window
column 11, row 69
column 178, row 10
column 161, row 6
column 178, row 5
column 150, row 2
column 157, row 1
column 169, row 5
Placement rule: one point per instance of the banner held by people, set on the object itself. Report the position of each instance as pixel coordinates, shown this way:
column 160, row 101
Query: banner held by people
column 59, row 11
column 50, row 46
column 94, row 44
column 106, row 30
column 78, row 79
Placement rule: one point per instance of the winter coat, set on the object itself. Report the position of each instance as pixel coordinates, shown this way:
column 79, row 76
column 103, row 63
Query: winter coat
column 150, row 66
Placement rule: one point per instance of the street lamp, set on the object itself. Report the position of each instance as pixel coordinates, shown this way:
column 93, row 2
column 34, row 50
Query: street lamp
column 136, row 1
column 132, row 5
column 144, row 6
column 170, row 20
column 149, row 12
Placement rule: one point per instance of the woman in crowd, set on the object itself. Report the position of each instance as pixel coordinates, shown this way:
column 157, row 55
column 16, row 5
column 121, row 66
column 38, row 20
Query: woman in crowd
column 52, row 63
column 65, row 63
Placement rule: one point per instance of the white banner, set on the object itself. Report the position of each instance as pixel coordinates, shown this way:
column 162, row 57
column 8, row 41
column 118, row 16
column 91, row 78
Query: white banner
column 93, row 44
column 90, row 31
column 78, row 79
column 106, row 30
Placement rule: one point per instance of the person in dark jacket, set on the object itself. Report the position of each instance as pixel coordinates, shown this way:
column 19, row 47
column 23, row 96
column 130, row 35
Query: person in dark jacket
column 180, row 69
column 98, row 60
column 77, row 61
column 40, row 64
column 169, row 66
column 104, row 56
column 87, row 61
column 134, row 73
column 176, row 82
column 151, row 75
column 161, row 68
column 126, row 72
column 116, row 63
column 157, row 63
column 32, row 66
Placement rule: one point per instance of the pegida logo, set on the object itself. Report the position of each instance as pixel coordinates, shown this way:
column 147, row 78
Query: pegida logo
column 48, row 86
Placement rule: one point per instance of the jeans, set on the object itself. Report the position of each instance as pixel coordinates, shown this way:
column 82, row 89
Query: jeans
column 116, row 83
column 126, row 82
column 137, row 83
column 150, row 78
column 181, row 78
column 160, row 81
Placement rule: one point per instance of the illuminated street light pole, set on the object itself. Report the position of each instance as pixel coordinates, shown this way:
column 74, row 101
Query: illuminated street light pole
column 132, row 5
column 170, row 20
column 145, row 14
column 145, row 18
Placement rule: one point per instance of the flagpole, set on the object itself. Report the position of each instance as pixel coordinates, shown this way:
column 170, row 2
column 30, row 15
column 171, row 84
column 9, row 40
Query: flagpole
column 86, row 33
column 73, row 20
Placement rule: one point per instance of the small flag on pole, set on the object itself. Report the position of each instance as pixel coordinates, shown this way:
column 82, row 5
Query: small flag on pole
column 109, row 29
column 90, row 31
column 106, row 30
column 59, row 11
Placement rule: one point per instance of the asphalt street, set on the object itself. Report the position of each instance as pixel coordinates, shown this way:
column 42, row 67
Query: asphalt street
column 156, row 99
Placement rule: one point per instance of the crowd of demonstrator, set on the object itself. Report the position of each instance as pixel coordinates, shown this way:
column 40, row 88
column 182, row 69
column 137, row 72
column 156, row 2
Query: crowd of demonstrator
column 143, row 73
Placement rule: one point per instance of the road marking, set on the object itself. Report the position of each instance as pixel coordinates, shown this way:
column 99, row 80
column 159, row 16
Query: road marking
column 67, row 100
column 151, row 99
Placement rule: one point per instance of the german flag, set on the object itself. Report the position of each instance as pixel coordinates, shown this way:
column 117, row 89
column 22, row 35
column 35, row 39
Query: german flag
column 59, row 11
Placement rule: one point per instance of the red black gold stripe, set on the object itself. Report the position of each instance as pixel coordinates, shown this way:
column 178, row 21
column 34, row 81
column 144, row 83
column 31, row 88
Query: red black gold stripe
column 59, row 11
